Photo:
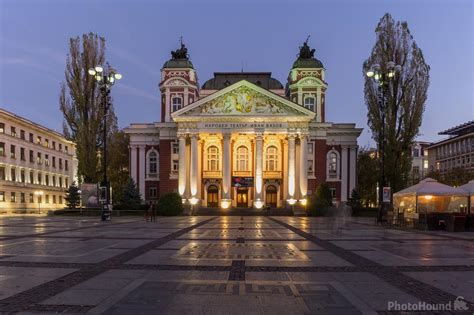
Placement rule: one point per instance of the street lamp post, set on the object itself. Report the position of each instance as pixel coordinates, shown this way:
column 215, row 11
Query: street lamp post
column 105, row 81
column 382, row 76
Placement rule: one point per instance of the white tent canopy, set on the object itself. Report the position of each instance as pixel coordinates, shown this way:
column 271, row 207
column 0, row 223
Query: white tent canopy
column 469, row 187
column 429, row 186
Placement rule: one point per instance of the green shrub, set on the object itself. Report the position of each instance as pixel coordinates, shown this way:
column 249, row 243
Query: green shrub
column 320, row 201
column 170, row 204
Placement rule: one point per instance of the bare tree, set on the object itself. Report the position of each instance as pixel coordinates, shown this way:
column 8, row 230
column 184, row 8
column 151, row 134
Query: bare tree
column 82, row 105
column 405, row 97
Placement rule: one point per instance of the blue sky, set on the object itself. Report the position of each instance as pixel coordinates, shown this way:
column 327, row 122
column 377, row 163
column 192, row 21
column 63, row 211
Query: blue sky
column 223, row 36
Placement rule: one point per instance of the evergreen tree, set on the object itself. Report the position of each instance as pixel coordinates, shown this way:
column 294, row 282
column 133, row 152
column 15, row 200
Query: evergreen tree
column 73, row 198
column 405, row 97
column 131, row 198
column 320, row 201
column 82, row 105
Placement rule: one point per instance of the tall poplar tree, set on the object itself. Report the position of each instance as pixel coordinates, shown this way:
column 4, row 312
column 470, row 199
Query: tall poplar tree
column 82, row 105
column 405, row 97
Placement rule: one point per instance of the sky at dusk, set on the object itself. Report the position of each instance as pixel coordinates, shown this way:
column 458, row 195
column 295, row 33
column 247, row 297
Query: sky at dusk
column 226, row 36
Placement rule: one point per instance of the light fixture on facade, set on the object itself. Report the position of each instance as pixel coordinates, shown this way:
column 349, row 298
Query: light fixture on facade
column 292, row 201
column 428, row 197
column 258, row 204
column 193, row 201
column 225, row 203
column 304, row 202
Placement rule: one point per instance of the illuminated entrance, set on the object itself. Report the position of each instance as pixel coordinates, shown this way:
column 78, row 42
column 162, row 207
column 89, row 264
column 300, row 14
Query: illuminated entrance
column 242, row 195
column 271, row 196
column 212, row 196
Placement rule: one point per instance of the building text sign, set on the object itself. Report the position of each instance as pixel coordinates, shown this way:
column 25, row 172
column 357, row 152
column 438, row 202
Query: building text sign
column 242, row 125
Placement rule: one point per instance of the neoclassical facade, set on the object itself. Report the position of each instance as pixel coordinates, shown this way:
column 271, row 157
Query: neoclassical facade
column 242, row 140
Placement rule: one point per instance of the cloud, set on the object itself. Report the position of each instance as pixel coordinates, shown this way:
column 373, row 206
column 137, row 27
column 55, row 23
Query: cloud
column 29, row 63
column 125, row 55
column 133, row 91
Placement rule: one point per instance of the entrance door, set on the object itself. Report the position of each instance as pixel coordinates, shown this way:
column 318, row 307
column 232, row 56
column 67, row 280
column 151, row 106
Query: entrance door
column 242, row 198
column 271, row 196
column 212, row 196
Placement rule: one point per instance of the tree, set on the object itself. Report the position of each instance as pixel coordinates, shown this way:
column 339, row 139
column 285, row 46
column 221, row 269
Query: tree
column 405, row 97
column 354, row 201
column 82, row 105
column 455, row 177
column 367, row 176
column 321, row 200
column 131, row 198
column 118, row 161
column 73, row 198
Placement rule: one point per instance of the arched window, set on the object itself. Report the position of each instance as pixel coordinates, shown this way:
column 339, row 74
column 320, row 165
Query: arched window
column 332, row 162
column 309, row 103
column 177, row 103
column 272, row 159
column 213, row 158
column 152, row 163
column 242, row 158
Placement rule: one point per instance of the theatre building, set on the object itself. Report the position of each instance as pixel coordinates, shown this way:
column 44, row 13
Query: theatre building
column 242, row 139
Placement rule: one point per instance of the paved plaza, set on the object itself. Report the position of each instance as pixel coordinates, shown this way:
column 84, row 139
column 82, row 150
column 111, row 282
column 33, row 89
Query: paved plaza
column 232, row 265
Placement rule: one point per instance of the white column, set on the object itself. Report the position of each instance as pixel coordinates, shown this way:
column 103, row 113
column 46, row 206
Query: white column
column 344, row 173
column 167, row 105
column 182, row 165
column 133, row 163
column 258, row 202
column 318, row 105
column 142, row 159
column 352, row 169
column 226, row 171
column 291, row 166
column 186, row 96
column 303, row 166
column 193, row 167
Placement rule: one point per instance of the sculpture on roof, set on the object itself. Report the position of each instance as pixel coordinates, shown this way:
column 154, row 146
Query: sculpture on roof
column 305, row 51
column 180, row 53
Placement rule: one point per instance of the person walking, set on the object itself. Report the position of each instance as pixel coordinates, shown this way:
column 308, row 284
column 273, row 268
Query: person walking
column 153, row 211
column 148, row 212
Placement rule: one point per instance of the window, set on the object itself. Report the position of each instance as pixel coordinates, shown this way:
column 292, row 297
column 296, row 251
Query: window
column 310, row 148
column 66, row 166
column 22, row 176
column 46, row 143
column 177, row 103
column 32, row 177
column 2, row 173
column 46, row 180
column 416, row 152
column 38, row 140
column 54, row 181
column 175, row 166
column 31, row 198
column 152, row 163
column 38, row 158
column 213, row 158
column 32, row 159
column 60, row 199
column 13, row 174
column 54, row 161
column 54, row 199
column 425, row 164
column 175, row 148
column 272, row 159
column 66, row 182
column 333, row 192
column 54, row 145
column 12, row 196
column 66, row 148
column 2, row 196
column 22, row 154
column 22, row 134
column 31, row 137
column 2, row 149
column 39, row 179
column 46, row 198
column 46, row 159
column 12, row 151
column 13, row 131
column 60, row 182
column 2, row 128
column 60, row 147
column 333, row 165
column 60, row 164
column 309, row 103
column 22, row 197
column 152, row 192
column 242, row 159
column 310, row 167
column 416, row 171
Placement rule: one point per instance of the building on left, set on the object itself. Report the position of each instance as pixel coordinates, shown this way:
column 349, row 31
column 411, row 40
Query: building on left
column 37, row 164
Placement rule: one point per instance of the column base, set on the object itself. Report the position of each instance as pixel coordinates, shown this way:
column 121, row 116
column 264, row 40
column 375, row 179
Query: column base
column 258, row 204
column 226, row 203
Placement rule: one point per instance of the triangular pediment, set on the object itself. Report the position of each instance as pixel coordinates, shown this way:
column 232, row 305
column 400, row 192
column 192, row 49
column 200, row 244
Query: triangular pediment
column 243, row 100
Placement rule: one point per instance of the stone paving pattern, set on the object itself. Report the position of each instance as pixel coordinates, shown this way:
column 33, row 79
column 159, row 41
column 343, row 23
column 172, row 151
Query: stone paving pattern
column 232, row 265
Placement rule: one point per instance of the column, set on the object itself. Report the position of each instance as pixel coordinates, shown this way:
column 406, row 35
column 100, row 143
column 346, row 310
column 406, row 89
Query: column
column 352, row 169
column 141, row 174
column 167, row 105
column 291, row 166
column 133, row 163
column 258, row 202
column 193, row 167
column 344, row 173
column 226, row 171
column 182, row 165
column 303, row 166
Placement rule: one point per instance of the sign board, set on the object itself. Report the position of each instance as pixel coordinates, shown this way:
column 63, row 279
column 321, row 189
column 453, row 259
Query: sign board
column 387, row 193
column 242, row 181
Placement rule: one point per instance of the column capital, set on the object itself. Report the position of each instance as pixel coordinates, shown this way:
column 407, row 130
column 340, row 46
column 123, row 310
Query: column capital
column 291, row 136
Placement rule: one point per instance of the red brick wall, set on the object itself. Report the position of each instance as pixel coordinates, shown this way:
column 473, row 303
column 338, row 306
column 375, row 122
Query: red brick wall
column 320, row 151
column 149, row 184
column 167, row 185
